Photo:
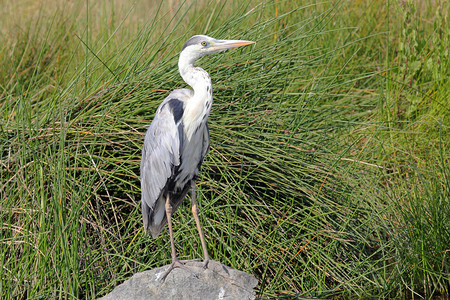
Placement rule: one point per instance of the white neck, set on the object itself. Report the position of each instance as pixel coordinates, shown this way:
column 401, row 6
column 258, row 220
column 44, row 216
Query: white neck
column 198, row 107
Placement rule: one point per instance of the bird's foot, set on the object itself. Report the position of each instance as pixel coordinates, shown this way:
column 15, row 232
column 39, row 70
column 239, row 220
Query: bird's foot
column 224, row 268
column 205, row 263
column 173, row 265
column 180, row 264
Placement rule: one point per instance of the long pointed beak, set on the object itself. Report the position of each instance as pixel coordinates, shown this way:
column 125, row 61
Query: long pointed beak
column 221, row 45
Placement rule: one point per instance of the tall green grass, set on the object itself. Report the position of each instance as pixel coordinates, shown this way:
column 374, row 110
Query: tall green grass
column 325, row 177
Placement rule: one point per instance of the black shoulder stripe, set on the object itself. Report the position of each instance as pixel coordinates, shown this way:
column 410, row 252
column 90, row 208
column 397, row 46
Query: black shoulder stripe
column 177, row 109
column 181, row 136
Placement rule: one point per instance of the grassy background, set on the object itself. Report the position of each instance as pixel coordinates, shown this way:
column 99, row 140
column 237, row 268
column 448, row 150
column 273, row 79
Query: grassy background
column 328, row 170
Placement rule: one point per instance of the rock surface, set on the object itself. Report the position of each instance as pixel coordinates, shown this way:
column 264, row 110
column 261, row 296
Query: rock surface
column 211, row 283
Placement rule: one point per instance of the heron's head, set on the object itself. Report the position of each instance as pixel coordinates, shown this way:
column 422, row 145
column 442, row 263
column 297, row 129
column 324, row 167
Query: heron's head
column 200, row 45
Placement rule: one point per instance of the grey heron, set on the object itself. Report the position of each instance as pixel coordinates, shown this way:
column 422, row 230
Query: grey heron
column 177, row 141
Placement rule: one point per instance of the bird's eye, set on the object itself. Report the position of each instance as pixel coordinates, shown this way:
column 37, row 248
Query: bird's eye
column 204, row 43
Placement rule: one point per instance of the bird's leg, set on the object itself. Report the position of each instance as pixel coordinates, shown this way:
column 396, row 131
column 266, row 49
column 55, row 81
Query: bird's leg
column 199, row 228
column 169, row 211
column 175, row 262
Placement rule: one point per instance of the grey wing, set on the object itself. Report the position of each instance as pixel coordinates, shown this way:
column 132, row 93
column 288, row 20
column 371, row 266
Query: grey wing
column 160, row 155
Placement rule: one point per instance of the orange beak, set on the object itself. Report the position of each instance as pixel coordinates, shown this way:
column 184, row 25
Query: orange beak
column 221, row 45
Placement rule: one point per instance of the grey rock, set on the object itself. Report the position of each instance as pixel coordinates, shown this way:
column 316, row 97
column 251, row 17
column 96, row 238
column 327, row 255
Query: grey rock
column 181, row 283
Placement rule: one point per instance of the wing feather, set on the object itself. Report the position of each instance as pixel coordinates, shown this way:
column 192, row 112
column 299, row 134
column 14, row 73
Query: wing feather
column 161, row 155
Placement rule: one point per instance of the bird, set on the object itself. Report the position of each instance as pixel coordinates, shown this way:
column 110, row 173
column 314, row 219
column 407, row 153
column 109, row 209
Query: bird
column 177, row 141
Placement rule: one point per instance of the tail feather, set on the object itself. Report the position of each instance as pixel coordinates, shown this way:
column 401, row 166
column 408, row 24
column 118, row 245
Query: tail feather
column 155, row 219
